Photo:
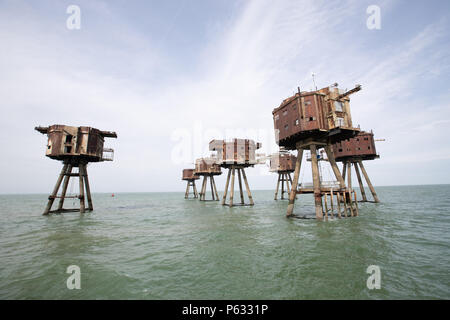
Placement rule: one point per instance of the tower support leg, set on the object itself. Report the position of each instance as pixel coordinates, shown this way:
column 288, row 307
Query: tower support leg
column 337, row 173
column 345, row 204
column 282, row 186
column 349, row 176
column 366, row 176
column 88, row 189
column 195, row 189
column 81, row 183
column 291, row 184
column 232, row 185
column 212, row 188
column 293, row 193
column 338, row 199
column 186, row 194
column 226, row 187
column 249, row 193
column 288, row 189
column 240, row 186
column 52, row 197
column 361, row 186
column 205, row 183
column 64, row 187
column 316, row 183
column 344, row 169
column 278, row 186
column 215, row 188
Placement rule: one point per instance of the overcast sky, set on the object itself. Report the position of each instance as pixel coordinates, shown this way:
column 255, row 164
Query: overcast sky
column 168, row 76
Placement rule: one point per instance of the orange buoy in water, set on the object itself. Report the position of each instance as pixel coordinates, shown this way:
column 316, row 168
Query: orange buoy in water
column 112, row 195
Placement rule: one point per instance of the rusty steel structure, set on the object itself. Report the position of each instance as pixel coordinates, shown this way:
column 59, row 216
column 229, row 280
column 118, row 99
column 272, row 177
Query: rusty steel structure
column 354, row 151
column 235, row 154
column 75, row 147
column 189, row 176
column 311, row 121
column 283, row 163
column 208, row 168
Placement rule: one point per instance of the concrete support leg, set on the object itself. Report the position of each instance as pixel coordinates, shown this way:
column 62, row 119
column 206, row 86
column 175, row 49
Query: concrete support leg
column 288, row 189
column 203, row 194
column 344, row 169
column 64, row 187
column 349, row 176
column 361, row 186
column 337, row 173
column 232, row 186
column 212, row 188
column 249, row 193
column 332, row 205
column 215, row 188
column 81, row 195
column 52, row 197
column 293, row 194
column 226, row 187
column 282, row 186
column 278, row 187
column 291, row 184
column 241, row 192
column 186, row 193
column 88, row 189
column 345, row 204
column 338, row 198
column 316, row 183
column 195, row 189
column 356, row 203
column 366, row 176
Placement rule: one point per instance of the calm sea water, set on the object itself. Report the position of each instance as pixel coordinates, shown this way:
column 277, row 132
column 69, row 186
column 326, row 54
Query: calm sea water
column 160, row 246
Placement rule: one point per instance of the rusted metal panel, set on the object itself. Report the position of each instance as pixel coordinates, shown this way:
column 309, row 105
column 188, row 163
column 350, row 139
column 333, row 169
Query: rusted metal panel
column 188, row 174
column 235, row 151
column 312, row 115
column 361, row 146
column 282, row 162
column 207, row 166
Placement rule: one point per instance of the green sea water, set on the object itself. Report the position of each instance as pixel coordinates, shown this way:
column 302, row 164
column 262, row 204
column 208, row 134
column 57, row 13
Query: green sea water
column 161, row 246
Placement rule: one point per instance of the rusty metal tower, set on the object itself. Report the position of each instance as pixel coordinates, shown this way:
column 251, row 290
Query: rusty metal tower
column 235, row 154
column 283, row 163
column 190, row 177
column 75, row 147
column 310, row 121
column 208, row 168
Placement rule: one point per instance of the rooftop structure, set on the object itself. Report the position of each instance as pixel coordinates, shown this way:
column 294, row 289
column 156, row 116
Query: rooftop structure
column 322, row 114
column 235, row 152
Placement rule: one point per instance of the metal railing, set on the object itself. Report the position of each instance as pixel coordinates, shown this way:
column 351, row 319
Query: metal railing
column 108, row 154
column 323, row 184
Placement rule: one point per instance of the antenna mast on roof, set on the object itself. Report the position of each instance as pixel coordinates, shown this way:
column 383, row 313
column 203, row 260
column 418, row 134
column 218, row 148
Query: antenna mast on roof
column 314, row 81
